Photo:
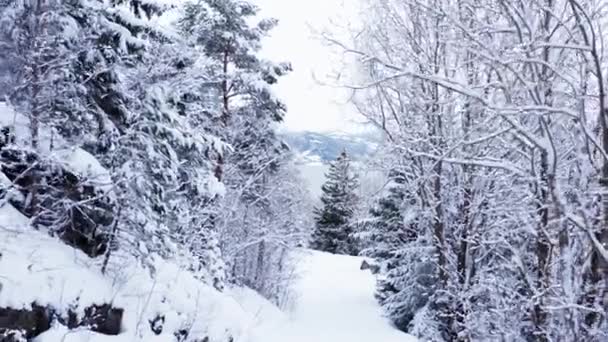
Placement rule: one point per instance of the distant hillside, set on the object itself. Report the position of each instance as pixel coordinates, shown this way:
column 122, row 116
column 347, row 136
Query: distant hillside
column 315, row 150
column 326, row 147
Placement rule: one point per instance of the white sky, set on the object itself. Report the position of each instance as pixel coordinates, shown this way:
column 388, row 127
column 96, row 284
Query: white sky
column 311, row 106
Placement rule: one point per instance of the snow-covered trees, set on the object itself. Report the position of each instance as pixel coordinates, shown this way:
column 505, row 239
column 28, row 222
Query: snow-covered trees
column 392, row 236
column 177, row 122
column 36, row 39
column 385, row 229
column 497, row 108
column 258, row 219
column 44, row 47
column 334, row 231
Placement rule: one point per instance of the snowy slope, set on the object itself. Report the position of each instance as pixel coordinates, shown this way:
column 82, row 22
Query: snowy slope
column 35, row 267
column 334, row 298
column 335, row 304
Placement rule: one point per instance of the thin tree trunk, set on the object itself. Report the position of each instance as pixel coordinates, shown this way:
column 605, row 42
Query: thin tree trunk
column 111, row 242
column 544, row 189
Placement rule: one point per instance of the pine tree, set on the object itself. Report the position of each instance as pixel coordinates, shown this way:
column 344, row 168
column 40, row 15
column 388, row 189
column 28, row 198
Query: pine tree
column 245, row 117
column 333, row 221
column 86, row 75
column 42, row 41
column 45, row 44
column 162, row 151
column 386, row 228
column 394, row 236
column 242, row 80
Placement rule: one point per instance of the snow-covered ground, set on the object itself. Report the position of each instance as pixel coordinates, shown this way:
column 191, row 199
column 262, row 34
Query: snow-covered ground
column 35, row 267
column 335, row 303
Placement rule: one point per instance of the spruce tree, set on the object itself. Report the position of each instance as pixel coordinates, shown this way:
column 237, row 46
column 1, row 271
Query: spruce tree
column 40, row 43
column 333, row 231
column 85, row 77
column 242, row 80
column 53, row 52
column 392, row 237
column 165, row 152
column 385, row 230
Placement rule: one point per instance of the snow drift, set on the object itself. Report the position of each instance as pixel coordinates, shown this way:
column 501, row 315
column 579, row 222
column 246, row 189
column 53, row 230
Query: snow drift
column 36, row 268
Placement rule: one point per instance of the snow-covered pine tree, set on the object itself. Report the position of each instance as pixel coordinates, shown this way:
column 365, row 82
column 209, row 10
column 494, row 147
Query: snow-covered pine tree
column 41, row 41
column 99, row 89
column 156, row 141
column 246, row 119
column 222, row 30
column 43, row 45
column 394, row 235
column 386, row 229
column 333, row 230
column 165, row 156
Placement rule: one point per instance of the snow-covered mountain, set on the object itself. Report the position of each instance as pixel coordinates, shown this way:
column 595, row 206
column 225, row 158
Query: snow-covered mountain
column 326, row 146
column 316, row 150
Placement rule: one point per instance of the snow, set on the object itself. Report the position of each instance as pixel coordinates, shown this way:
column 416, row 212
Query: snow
column 54, row 147
column 19, row 122
column 335, row 304
column 266, row 317
column 334, row 299
column 86, row 165
column 61, row 333
column 35, row 267
column 11, row 221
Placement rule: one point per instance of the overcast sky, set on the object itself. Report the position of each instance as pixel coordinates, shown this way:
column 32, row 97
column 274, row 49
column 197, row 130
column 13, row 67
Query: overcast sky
column 311, row 106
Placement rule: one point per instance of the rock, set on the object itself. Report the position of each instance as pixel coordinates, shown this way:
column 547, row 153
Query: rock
column 55, row 193
column 156, row 324
column 374, row 268
column 103, row 319
column 181, row 335
column 12, row 336
column 28, row 323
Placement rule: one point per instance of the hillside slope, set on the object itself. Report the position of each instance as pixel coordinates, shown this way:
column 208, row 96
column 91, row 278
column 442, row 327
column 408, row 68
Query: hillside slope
column 171, row 306
column 334, row 298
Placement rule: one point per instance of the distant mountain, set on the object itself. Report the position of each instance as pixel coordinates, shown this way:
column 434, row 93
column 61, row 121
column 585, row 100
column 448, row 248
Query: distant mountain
column 326, row 147
column 315, row 150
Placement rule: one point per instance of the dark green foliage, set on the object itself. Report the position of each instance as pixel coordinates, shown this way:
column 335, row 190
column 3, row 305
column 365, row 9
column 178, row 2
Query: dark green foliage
column 393, row 237
column 333, row 231
column 386, row 228
column 407, row 282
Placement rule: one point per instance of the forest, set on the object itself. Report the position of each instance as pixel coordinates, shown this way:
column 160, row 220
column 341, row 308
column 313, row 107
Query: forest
column 148, row 192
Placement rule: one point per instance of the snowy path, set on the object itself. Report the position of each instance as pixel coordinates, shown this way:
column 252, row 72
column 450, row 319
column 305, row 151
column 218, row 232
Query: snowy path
column 336, row 304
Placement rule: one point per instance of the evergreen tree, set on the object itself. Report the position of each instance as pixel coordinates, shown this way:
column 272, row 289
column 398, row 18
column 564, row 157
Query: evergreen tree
column 161, row 153
column 386, row 227
column 245, row 117
column 41, row 42
column 59, row 68
column 333, row 221
column 242, row 80
column 394, row 236
column 84, row 77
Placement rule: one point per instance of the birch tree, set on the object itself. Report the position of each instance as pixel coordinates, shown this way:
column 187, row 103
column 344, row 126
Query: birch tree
column 499, row 103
